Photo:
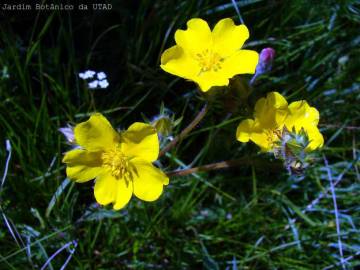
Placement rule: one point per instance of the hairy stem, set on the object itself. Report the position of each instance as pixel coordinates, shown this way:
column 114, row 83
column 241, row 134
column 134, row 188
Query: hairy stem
column 220, row 165
column 186, row 131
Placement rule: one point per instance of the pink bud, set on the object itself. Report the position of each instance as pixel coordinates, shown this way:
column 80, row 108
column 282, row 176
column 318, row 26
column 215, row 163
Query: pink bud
column 266, row 58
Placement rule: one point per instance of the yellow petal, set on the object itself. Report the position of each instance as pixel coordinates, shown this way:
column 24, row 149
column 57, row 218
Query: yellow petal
column 82, row 165
column 313, row 115
column 244, row 130
column 315, row 137
column 196, row 38
column 82, row 174
column 242, row 62
column 271, row 111
column 208, row 79
column 175, row 61
column 95, row 134
column 263, row 140
column 301, row 115
column 229, row 37
column 110, row 190
column 148, row 181
column 124, row 193
column 140, row 140
column 251, row 130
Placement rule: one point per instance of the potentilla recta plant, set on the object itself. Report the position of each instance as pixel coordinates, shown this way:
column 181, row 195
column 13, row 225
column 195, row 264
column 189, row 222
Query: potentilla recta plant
column 121, row 163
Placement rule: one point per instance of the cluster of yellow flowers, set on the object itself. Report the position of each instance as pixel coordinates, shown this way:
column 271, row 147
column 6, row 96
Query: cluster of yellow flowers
column 273, row 116
column 121, row 162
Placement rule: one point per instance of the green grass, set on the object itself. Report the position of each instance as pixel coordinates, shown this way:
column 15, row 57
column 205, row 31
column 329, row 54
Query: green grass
column 205, row 220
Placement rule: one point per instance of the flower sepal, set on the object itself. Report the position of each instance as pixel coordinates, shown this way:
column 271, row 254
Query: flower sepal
column 292, row 149
column 164, row 123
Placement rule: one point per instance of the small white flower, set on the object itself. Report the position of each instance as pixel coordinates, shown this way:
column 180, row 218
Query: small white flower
column 100, row 82
column 93, row 84
column 101, row 75
column 88, row 74
column 103, row 83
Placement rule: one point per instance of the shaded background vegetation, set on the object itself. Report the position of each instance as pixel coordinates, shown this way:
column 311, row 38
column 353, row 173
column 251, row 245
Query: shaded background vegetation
column 249, row 217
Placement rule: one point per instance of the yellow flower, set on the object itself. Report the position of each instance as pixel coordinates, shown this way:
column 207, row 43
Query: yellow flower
column 272, row 115
column 121, row 163
column 302, row 116
column 210, row 58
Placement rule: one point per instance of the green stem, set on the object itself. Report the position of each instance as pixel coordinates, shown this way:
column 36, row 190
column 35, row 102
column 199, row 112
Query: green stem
column 254, row 182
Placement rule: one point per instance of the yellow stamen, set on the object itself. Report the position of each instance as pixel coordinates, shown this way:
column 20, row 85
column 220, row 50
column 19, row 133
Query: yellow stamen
column 209, row 60
column 117, row 163
column 273, row 135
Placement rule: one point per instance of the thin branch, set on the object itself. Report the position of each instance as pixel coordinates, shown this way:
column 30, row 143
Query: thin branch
column 336, row 211
column 314, row 202
column 345, row 260
column 8, row 225
column 186, row 131
column 219, row 165
column 327, row 190
column 74, row 243
column 71, row 251
column 339, row 126
column 237, row 11
column 8, row 148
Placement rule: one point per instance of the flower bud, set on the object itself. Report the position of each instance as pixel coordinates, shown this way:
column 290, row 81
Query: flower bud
column 163, row 125
column 266, row 56
column 266, row 59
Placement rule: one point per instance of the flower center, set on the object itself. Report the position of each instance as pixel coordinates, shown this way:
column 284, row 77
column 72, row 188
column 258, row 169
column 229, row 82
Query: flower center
column 209, row 60
column 273, row 136
column 117, row 163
